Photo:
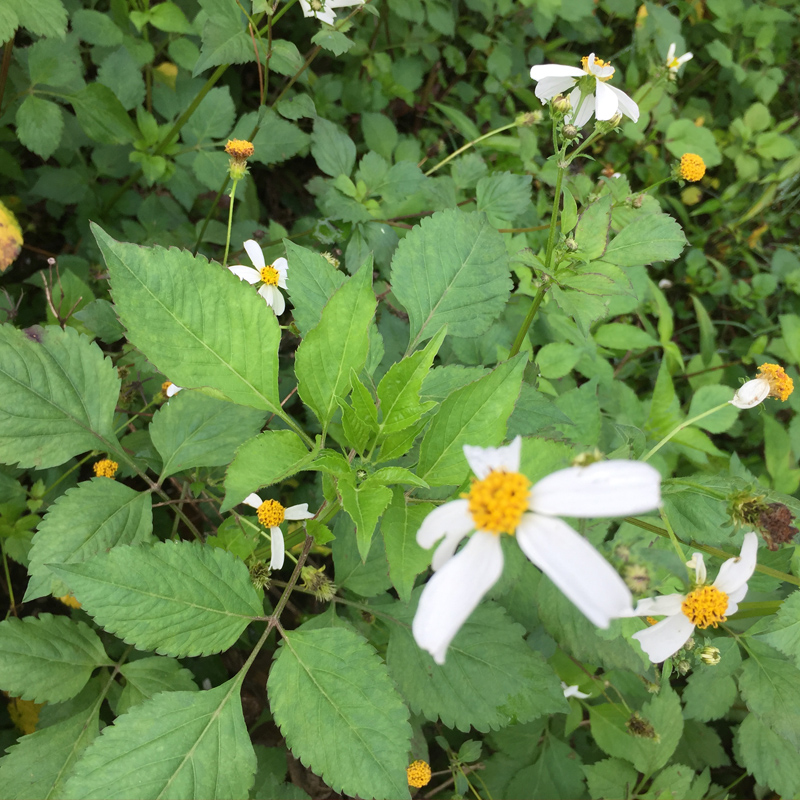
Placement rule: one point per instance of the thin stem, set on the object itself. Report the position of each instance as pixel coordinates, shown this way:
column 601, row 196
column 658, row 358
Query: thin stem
column 7, row 48
column 230, row 223
column 674, row 539
column 471, row 144
column 12, row 608
column 523, row 331
column 680, row 427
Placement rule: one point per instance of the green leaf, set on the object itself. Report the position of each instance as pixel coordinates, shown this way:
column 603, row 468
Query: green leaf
column 683, row 136
column 556, row 773
column 56, row 63
column 95, row 28
column 336, row 345
column 451, row 269
column 332, row 148
column 194, row 430
column 169, row 18
column 102, row 116
column 366, row 577
column 708, row 397
column 504, row 195
column 360, row 419
column 177, row 744
column 790, row 329
column 700, row 747
column 48, row 659
column 569, row 213
column 364, row 504
column 149, row 676
column 621, row 336
column 286, row 58
column 711, row 691
column 475, row 415
column 490, row 679
column 213, row 118
column 99, row 317
column 225, row 38
column 770, row 759
column 784, row 629
column 57, row 396
column 278, row 140
column 197, row 323
column 40, row 124
column 42, row 17
column 8, row 23
column 611, row 777
column 591, row 232
column 177, row 598
column 380, row 133
column 339, row 712
column 91, row 518
column 272, row 769
column 656, row 237
column 335, row 41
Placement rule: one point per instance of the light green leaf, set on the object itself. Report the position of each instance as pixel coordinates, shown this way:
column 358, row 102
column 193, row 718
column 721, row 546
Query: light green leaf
column 360, row 419
column 328, row 689
column 380, row 133
column 710, row 692
column 656, row 237
column 556, row 773
column 591, row 232
column 364, row 504
column 197, row 323
column 621, row 336
column 42, row 17
column 149, row 676
column 336, row 345
column 569, row 213
column 770, row 759
column 8, row 23
column 784, row 630
column 48, row 659
column 193, row 430
column 451, row 269
column 225, row 38
column 56, row 62
column 475, row 415
column 332, row 148
column 683, row 136
column 122, row 75
column 504, row 195
column 286, row 58
column 335, row 41
column 213, row 118
column 272, row 769
column 91, row 518
column 177, row 598
column 57, row 396
column 708, row 397
column 406, row 558
column 169, row 18
column 491, row 678
column 269, row 458
column 278, row 140
column 790, row 328
column 611, row 777
column 187, row 745
column 102, row 116
column 40, row 124
column 95, row 28
column 557, row 359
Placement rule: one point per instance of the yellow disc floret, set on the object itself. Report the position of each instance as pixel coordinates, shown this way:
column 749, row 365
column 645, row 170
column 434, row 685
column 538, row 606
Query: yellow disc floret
column 780, row 384
column 270, row 275
column 270, row 513
column 240, row 149
column 165, row 386
column 598, row 62
column 419, row 774
column 692, row 167
column 498, row 502
column 105, row 468
column 705, row 606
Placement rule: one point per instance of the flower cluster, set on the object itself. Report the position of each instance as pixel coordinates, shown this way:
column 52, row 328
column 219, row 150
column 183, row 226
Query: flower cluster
column 419, row 774
column 105, row 468
column 692, row 167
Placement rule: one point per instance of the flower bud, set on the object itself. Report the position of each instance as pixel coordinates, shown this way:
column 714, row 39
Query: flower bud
column 528, row 118
column 571, row 244
column 561, row 104
column 239, row 150
column 637, row 578
column 710, row 655
column 637, row 201
column 683, row 666
column 569, row 132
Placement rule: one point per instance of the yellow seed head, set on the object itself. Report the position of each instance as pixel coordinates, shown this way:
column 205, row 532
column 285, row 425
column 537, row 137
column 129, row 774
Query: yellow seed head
column 270, row 275
column 419, row 774
column 705, row 606
column 692, row 167
column 105, row 468
column 239, row 149
column 498, row 502
column 780, row 384
column 270, row 513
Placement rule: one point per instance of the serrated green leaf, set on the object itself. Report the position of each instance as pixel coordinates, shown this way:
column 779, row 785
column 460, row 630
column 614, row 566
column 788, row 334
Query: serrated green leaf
column 48, row 659
column 611, row 777
column 364, row 504
column 213, row 118
column 269, row 458
column 556, row 773
column 42, row 17
column 197, row 323
column 451, row 269
column 700, row 747
column 225, row 38
column 149, row 676
column 177, row 598
column 475, row 415
column 332, row 40
column 270, row 774
column 656, row 237
column 339, row 712
column 338, row 344
column 365, row 577
column 277, row 140
column 784, row 630
column 102, row 116
column 768, row 757
column 332, row 148
column 91, row 518
column 95, row 28
column 56, row 62
column 57, row 396
column 621, row 336
column 683, row 136
column 406, row 558
column 503, row 195
column 398, row 444
column 569, row 213
column 169, row 18
column 193, row 430
column 491, row 677
column 176, row 745
column 40, row 124
column 360, row 419
column 591, row 232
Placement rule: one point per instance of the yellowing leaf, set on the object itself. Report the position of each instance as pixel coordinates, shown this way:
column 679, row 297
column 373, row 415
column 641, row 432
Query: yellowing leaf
column 10, row 238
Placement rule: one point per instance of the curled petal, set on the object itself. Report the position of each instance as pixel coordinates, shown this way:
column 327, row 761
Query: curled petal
column 604, row 489
column 735, row 572
column 598, row 71
column 573, row 691
column 697, row 563
column 606, row 102
column 483, row 460
column 172, row 389
column 245, row 273
column 298, row 512
column 576, row 568
column 452, row 518
column 277, row 555
column 625, row 104
column 684, row 58
column 252, row 500
column 664, row 606
column 452, row 594
column 734, row 598
column 541, row 71
column 255, row 252
column 664, row 639
column 550, row 87
column 751, row 393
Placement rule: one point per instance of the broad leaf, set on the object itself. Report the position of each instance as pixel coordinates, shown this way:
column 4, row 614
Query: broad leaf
column 656, row 237
column 196, row 322
column 504, row 195
column 40, row 124
column 332, row 148
column 177, row 598
column 451, row 269
column 187, row 745
column 149, row 676
column 784, row 631
column 270, row 775
column 47, row 659
column 57, row 396
column 556, row 773
column 340, row 714
column 591, row 232
column 365, row 504
column 102, row 116
column 406, row 558
column 225, row 39
column 611, row 777
column 768, row 757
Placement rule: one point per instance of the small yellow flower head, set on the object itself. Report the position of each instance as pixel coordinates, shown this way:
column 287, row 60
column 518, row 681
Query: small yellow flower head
column 24, row 714
column 710, row 655
column 419, row 774
column 270, row 513
column 105, row 468
column 498, row 502
column 239, row 149
column 705, row 606
column 69, row 600
column 780, row 384
column 692, row 167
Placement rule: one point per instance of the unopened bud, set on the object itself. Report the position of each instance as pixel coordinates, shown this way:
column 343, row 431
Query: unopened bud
column 690, row 644
column 561, row 103
column 615, row 120
column 683, row 666
column 637, row 201
column 710, row 655
column 528, row 118
column 569, row 132
column 636, row 578
column 315, row 580
column 570, row 244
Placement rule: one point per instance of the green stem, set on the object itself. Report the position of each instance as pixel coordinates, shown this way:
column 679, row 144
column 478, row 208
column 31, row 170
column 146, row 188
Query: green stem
column 523, row 331
column 470, row 144
column 230, row 223
column 680, row 427
column 674, row 539
column 12, row 604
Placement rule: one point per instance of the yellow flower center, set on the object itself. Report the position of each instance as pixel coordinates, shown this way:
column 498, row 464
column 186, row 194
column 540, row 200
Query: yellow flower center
column 705, row 606
column 270, row 275
column 673, row 63
column 498, row 502
column 692, row 167
column 270, row 513
column 419, row 774
column 239, row 149
column 165, row 386
column 780, row 384
column 105, row 468
column 598, row 62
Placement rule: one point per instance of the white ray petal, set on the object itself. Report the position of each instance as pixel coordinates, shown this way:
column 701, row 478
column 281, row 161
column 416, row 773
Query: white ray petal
column 278, row 555
column 698, row 564
column 252, row 500
column 750, row 394
column 586, row 108
column 246, row 273
column 298, row 512
column 671, row 52
column 606, row 102
column 735, row 572
column 626, row 105
column 550, row 87
column 255, row 252
column 542, row 71
column 664, row 606
column 172, row 390
column 452, row 518
column 482, row 460
column 664, row 639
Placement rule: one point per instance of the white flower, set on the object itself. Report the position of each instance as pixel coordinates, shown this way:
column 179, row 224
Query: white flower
column 675, row 63
column 170, row 389
column 573, row 691
column 323, row 9
column 705, row 605
column 605, row 103
column 270, row 514
column 502, row 500
column 272, row 276
column 771, row 381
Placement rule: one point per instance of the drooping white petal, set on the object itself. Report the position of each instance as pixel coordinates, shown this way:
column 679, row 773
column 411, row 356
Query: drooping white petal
column 735, row 572
column 255, row 252
column 252, row 500
column 541, row 71
column 452, row 518
column 274, row 298
column 697, row 563
column 684, row 58
column 734, row 598
column 584, row 113
column 604, row 489
column 550, row 87
column 298, row 512
column 606, row 102
column 483, row 460
column 664, row 606
column 172, row 390
column 246, row 273
column 664, row 639
column 573, row 691
column 751, row 393
column 282, row 265
column 575, row 567
column 453, row 592
column 625, row 104
column 278, row 555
